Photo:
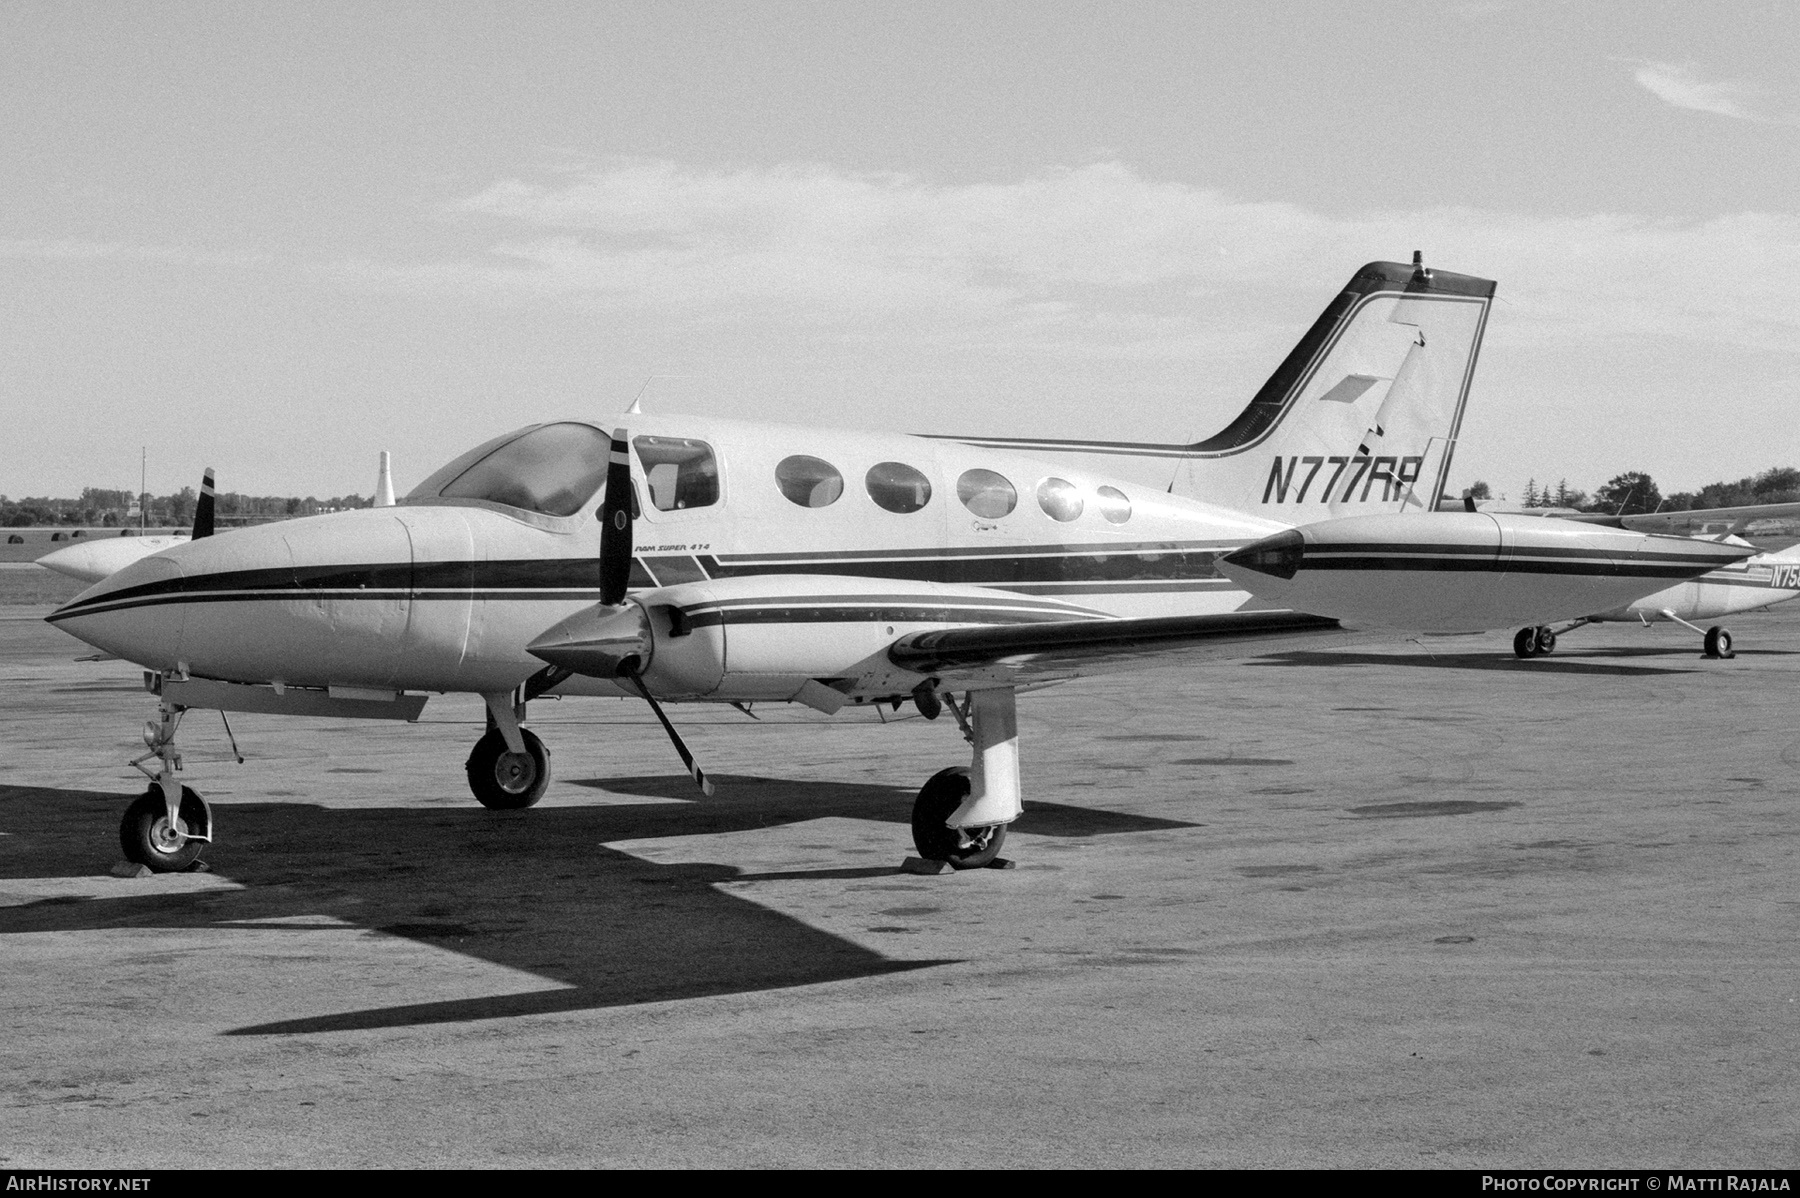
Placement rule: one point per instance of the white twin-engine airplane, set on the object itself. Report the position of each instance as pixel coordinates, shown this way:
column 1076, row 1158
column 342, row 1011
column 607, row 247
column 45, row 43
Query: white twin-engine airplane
column 743, row 563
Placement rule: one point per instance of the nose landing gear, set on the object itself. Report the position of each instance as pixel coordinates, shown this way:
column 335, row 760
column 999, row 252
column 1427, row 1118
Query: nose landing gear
column 167, row 826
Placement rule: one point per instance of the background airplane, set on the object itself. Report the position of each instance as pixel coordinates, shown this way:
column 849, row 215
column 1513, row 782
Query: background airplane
column 745, row 563
column 1749, row 585
column 92, row 560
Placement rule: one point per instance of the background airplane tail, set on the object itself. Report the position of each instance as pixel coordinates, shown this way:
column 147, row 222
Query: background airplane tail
column 1362, row 416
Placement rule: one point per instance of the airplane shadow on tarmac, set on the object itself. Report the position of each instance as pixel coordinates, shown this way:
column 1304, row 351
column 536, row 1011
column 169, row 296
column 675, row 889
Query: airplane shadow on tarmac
column 530, row 890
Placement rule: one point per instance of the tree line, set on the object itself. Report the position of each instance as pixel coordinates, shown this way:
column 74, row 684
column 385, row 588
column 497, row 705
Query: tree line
column 1634, row 492
column 98, row 507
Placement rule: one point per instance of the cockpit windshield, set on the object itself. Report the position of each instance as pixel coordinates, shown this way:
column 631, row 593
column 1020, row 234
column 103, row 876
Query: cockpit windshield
column 553, row 469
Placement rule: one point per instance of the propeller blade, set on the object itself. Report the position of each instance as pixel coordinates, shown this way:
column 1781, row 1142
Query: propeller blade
column 615, row 524
column 203, row 509
column 687, row 758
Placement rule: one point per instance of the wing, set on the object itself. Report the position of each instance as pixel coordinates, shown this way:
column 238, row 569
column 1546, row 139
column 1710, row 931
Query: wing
column 1721, row 521
column 1025, row 653
column 1717, row 519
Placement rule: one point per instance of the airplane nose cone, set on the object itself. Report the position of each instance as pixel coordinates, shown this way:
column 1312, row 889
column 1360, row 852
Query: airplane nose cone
column 128, row 615
column 601, row 642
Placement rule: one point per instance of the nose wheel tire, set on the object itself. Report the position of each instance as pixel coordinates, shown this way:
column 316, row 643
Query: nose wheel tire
column 502, row 780
column 1546, row 641
column 937, row 801
column 1718, row 642
column 147, row 838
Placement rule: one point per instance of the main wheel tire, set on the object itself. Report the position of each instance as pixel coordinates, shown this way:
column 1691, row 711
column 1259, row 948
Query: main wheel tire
column 1546, row 641
column 937, row 801
column 1525, row 642
column 502, row 780
column 1718, row 642
column 147, row 839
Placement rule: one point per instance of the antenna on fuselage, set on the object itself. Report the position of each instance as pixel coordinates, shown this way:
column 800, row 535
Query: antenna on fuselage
column 637, row 401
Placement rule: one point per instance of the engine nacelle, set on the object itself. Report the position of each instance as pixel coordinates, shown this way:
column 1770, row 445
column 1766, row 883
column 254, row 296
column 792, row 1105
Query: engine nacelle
column 1465, row 571
column 773, row 636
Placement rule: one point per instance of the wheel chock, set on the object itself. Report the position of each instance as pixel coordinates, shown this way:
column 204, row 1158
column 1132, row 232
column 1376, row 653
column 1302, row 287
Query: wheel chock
column 999, row 863
column 919, row 865
column 130, row 869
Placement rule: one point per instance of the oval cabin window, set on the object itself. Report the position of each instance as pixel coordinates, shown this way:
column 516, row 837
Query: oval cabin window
column 987, row 494
column 809, row 482
column 1060, row 499
column 897, row 487
column 1114, row 505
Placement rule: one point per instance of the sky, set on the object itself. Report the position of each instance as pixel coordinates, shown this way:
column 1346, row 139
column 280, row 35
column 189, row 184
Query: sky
column 277, row 238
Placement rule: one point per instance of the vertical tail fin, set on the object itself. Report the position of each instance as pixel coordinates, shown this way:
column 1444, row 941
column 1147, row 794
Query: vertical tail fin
column 203, row 507
column 384, row 484
column 1362, row 416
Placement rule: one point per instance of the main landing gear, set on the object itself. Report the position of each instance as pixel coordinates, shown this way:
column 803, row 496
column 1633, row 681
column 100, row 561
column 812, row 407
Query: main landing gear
column 509, row 767
column 168, row 825
column 960, row 816
column 1535, row 642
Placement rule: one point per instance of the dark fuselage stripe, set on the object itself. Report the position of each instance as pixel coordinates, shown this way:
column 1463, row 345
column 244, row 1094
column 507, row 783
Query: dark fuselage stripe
column 1597, row 568
column 556, row 577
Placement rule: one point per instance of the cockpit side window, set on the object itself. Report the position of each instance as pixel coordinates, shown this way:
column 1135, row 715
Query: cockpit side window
column 552, row 469
column 681, row 473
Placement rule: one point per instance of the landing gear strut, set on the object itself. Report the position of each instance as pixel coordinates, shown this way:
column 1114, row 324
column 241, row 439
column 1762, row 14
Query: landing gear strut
column 960, row 816
column 1715, row 641
column 167, row 826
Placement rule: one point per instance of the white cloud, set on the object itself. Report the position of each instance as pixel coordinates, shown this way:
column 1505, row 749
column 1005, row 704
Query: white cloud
column 1679, row 85
column 1097, row 260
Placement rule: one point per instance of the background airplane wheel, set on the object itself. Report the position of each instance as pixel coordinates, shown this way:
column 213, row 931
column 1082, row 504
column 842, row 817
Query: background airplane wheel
column 506, row 781
column 1546, row 640
column 1525, row 642
column 937, row 800
column 147, row 839
column 1718, row 642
